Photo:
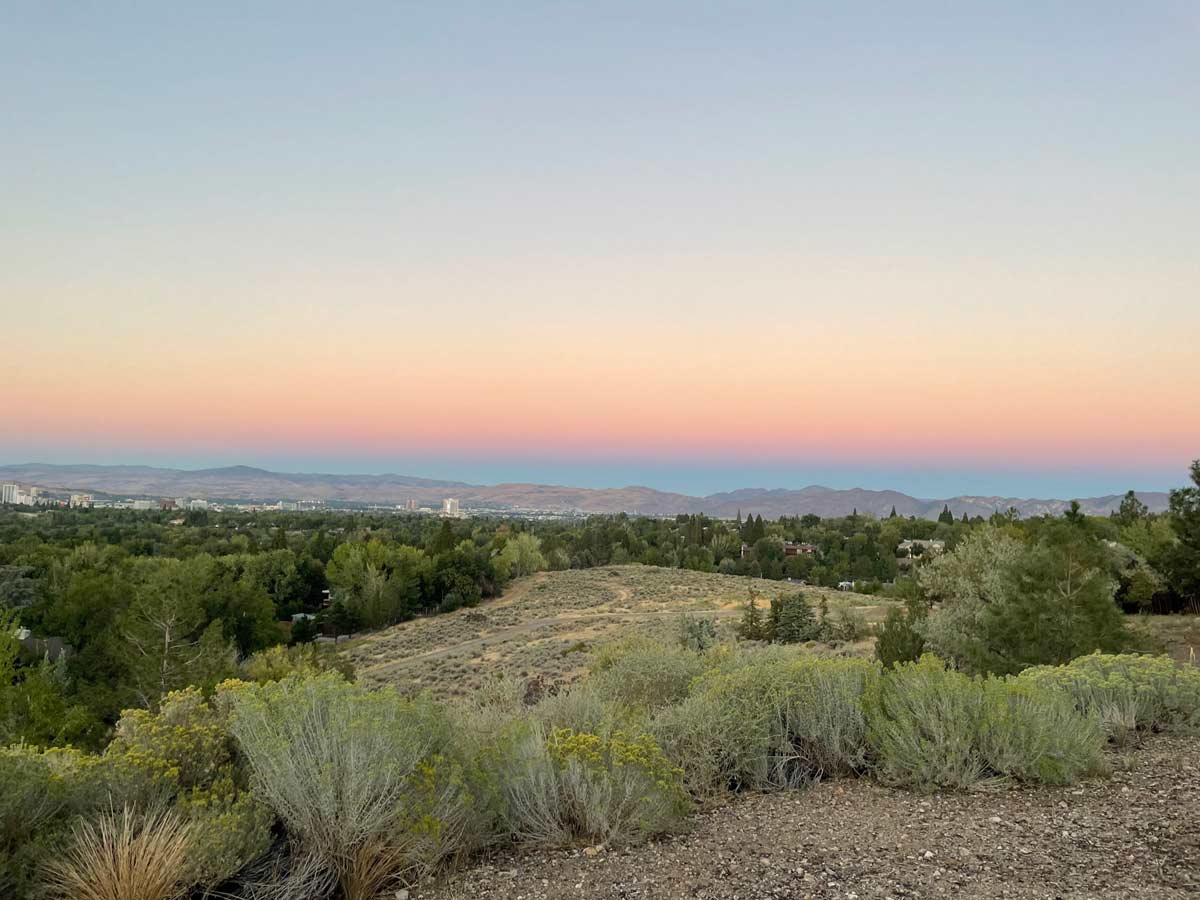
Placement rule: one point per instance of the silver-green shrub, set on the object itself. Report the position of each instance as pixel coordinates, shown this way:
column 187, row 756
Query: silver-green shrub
column 561, row 786
column 1127, row 691
column 649, row 675
column 363, row 780
column 770, row 724
column 931, row 727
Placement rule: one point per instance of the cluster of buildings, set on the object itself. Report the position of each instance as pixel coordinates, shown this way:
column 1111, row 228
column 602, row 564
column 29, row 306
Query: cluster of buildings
column 15, row 493
column 450, row 508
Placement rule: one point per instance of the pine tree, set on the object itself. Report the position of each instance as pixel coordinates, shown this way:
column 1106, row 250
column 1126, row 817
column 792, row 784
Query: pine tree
column 1183, row 563
column 304, row 631
column 965, row 520
column 945, row 516
column 893, row 515
column 792, row 620
column 900, row 639
column 752, row 626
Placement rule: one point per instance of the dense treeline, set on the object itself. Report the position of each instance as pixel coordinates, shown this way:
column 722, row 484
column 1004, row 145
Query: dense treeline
column 154, row 602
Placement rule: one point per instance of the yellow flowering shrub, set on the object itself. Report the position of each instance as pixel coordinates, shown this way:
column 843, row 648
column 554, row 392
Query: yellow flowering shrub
column 616, row 789
column 1127, row 691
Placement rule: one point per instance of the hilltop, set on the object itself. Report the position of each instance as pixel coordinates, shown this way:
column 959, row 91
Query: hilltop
column 247, row 483
column 549, row 626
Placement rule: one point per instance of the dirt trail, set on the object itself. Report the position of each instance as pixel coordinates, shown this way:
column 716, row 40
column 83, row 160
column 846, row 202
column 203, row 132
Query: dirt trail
column 524, row 629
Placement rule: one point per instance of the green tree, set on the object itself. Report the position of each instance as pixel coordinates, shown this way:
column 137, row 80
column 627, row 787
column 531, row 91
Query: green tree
column 946, row 517
column 753, row 627
column 1132, row 510
column 900, row 639
column 344, row 618
column 1060, row 605
column 170, row 643
column 1182, row 561
column 792, row 620
column 523, row 554
column 304, row 630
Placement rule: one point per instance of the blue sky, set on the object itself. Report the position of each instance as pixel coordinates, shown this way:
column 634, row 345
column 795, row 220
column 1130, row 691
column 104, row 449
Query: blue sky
column 942, row 247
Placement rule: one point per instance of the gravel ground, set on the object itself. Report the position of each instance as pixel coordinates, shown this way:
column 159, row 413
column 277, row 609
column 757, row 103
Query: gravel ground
column 1134, row 835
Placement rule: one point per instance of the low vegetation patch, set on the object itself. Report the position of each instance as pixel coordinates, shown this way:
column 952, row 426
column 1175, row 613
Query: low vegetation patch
column 1127, row 692
column 930, row 727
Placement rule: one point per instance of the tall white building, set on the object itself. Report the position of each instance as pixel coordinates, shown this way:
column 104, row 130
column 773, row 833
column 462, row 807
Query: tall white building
column 8, row 493
column 450, row 507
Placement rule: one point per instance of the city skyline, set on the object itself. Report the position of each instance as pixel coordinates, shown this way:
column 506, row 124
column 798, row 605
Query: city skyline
column 930, row 248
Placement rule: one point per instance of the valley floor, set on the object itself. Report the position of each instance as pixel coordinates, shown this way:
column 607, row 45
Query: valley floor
column 1134, row 835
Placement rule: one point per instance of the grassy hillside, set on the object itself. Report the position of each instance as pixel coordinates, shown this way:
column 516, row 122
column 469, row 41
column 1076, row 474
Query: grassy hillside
column 551, row 624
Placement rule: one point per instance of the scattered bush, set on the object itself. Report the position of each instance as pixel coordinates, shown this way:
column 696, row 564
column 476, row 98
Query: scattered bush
column 769, row 725
column 278, row 662
column 647, row 674
column 125, row 856
column 1031, row 734
column 1127, row 692
column 353, row 772
column 36, row 803
column 563, row 786
column 931, row 727
column 900, row 639
column 791, row 620
column 845, row 623
column 580, row 707
column 230, row 828
column 697, row 632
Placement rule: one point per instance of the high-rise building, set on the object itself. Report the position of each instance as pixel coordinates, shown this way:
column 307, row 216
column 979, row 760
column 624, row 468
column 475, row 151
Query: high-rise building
column 8, row 493
column 450, row 507
column 78, row 500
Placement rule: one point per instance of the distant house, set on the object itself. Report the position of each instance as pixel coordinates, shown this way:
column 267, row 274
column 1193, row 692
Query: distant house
column 906, row 547
column 53, row 647
column 907, row 550
column 790, row 548
column 800, row 548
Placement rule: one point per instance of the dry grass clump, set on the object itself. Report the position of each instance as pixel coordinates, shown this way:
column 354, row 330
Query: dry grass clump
column 124, row 856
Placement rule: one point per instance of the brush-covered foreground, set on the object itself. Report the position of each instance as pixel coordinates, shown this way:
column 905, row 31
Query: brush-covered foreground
column 1131, row 836
column 551, row 625
column 316, row 787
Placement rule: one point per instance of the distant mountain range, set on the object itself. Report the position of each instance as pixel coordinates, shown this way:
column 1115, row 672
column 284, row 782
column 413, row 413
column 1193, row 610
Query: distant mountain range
column 246, row 483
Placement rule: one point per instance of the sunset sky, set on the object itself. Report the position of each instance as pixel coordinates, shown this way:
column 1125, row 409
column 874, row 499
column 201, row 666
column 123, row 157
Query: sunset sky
column 938, row 247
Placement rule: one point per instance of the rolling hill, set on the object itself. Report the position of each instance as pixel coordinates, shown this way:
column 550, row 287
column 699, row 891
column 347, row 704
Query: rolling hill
column 247, row 483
